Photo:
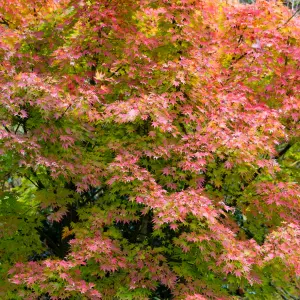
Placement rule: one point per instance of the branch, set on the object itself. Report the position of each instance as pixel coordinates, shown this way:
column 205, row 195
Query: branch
column 279, row 155
column 282, row 292
column 4, row 22
column 6, row 128
column 283, row 151
column 40, row 185
column 237, row 60
column 31, row 181
column 60, row 117
column 17, row 128
column 50, row 243
column 24, row 126
column 290, row 295
column 289, row 19
column 111, row 75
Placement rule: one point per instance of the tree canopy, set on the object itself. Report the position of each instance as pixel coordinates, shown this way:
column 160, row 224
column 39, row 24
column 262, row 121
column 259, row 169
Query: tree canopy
column 149, row 149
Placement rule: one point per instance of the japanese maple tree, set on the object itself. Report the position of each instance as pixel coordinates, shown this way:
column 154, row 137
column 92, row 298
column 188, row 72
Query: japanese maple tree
column 149, row 149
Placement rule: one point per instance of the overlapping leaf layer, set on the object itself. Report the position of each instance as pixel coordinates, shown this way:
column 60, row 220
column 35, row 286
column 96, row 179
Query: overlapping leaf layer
column 149, row 150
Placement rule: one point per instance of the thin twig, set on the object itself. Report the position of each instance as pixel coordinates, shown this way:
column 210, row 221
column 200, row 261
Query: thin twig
column 289, row 19
column 4, row 22
column 111, row 75
column 17, row 128
column 64, row 113
column 31, row 181
column 6, row 128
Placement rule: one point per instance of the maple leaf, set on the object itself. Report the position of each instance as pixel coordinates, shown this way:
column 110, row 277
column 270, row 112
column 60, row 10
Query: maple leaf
column 99, row 76
column 162, row 136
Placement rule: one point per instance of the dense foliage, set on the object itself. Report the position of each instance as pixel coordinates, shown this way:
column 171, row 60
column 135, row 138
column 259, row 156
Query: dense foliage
column 149, row 149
